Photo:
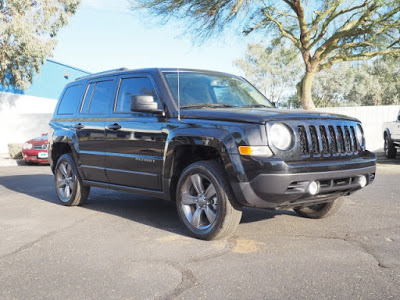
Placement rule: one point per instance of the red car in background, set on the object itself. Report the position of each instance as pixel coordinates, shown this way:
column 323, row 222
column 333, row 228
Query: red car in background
column 35, row 150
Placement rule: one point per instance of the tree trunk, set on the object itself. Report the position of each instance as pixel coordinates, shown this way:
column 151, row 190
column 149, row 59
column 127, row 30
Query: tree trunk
column 305, row 92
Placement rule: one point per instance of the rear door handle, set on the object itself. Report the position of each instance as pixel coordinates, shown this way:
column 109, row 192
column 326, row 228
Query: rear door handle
column 78, row 126
column 114, row 126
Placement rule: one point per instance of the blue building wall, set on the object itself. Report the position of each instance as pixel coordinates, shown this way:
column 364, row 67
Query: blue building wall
column 51, row 80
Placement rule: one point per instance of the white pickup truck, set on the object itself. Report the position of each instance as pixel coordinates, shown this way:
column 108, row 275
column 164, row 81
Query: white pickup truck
column 391, row 135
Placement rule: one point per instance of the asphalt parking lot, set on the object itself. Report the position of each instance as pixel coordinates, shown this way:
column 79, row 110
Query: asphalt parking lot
column 122, row 246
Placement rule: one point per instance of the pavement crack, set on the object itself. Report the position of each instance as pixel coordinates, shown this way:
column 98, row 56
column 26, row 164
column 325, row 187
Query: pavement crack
column 43, row 237
column 189, row 280
column 356, row 244
column 351, row 241
column 366, row 249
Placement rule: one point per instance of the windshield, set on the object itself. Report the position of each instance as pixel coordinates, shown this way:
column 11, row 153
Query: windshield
column 214, row 90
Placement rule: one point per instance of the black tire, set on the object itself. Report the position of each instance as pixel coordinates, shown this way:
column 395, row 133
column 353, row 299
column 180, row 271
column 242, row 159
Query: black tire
column 320, row 211
column 213, row 212
column 69, row 188
column 389, row 148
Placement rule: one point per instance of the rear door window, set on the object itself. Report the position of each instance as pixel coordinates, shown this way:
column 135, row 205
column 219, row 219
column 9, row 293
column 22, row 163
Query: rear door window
column 70, row 100
column 98, row 97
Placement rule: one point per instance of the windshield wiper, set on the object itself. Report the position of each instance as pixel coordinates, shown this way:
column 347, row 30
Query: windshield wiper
column 256, row 105
column 214, row 105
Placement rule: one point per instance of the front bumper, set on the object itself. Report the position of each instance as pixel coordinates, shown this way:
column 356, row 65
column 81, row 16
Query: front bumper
column 31, row 156
column 283, row 190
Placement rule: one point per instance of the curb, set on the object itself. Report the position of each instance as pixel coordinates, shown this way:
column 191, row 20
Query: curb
column 6, row 161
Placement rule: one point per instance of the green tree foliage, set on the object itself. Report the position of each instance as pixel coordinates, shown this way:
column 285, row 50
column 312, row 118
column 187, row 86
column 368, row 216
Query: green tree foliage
column 27, row 36
column 324, row 32
column 367, row 83
column 349, row 84
column 274, row 70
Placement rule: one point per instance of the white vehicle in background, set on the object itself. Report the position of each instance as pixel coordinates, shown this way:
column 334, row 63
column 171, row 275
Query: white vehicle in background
column 391, row 136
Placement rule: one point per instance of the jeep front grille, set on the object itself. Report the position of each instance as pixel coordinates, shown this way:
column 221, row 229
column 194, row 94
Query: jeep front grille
column 327, row 140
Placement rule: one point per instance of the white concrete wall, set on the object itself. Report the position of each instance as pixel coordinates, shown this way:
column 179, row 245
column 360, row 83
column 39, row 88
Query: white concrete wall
column 372, row 118
column 23, row 118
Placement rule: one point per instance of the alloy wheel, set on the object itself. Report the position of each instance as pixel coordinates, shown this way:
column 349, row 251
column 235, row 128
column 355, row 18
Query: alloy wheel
column 65, row 181
column 199, row 201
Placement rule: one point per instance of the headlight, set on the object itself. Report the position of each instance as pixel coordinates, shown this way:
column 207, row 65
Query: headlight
column 280, row 136
column 27, row 146
column 360, row 135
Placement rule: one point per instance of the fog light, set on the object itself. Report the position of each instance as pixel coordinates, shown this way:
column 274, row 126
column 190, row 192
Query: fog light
column 313, row 188
column 362, row 180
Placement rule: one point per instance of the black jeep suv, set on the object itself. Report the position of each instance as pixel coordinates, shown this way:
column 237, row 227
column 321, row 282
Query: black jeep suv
column 209, row 141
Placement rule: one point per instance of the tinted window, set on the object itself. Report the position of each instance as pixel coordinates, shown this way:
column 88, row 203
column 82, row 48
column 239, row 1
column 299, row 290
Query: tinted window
column 70, row 100
column 88, row 97
column 134, row 86
column 214, row 89
column 98, row 97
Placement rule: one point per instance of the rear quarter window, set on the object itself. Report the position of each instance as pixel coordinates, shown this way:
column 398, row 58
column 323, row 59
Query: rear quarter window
column 70, row 100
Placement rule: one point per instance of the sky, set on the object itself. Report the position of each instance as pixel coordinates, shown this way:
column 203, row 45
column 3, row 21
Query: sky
column 106, row 34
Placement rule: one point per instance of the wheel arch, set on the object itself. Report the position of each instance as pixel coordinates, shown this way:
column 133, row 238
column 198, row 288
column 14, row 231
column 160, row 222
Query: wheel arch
column 62, row 142
column 185, row 147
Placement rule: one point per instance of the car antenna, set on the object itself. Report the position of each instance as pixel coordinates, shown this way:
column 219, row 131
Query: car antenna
column 179, row 98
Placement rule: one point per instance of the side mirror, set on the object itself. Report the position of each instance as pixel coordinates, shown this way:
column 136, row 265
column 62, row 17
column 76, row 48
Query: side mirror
column 275, row 104
column 398, row 118
column 145, row 103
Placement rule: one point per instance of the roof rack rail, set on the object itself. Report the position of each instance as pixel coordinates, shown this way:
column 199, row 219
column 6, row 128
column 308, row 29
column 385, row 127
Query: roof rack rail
column 103, row 72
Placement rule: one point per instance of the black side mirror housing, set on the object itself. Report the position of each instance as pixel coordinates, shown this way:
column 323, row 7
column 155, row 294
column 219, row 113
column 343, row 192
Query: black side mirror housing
column 275, row 104
column 145, row 103
column 398, row 118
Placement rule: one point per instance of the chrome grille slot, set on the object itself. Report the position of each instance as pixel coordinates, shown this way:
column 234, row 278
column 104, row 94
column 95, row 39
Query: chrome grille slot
column 334, row 146
column 314, row 140
column 340, row 139
column 347, row 140
column 303, row 140
column 353, row 132
column 324, row 137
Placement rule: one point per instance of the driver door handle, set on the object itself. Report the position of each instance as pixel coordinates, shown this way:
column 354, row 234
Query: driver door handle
column 114, row 126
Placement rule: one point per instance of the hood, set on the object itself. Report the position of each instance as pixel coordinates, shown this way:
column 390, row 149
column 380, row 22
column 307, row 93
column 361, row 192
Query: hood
column 256, row 115
column 39, row 140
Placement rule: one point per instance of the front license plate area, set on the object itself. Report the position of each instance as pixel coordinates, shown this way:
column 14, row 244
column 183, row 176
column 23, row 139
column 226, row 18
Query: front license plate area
column 43, row 155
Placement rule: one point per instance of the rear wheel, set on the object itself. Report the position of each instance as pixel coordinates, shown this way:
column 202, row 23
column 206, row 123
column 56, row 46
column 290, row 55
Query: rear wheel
column 319, row 211
column 389, row 148
column 205, row 201
column 69, row 187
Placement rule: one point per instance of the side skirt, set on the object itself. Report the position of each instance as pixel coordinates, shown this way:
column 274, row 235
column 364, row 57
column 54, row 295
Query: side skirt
column 152, row 193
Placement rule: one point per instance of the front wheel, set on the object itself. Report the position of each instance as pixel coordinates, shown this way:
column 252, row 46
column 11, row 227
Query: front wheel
column 69, row 187
column 319, row 211
column 205, row 201
column 389, row 148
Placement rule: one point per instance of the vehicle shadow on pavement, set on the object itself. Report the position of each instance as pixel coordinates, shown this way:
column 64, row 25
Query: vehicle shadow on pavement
column 387, row 161
column 382, row 160
column 153, row 212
